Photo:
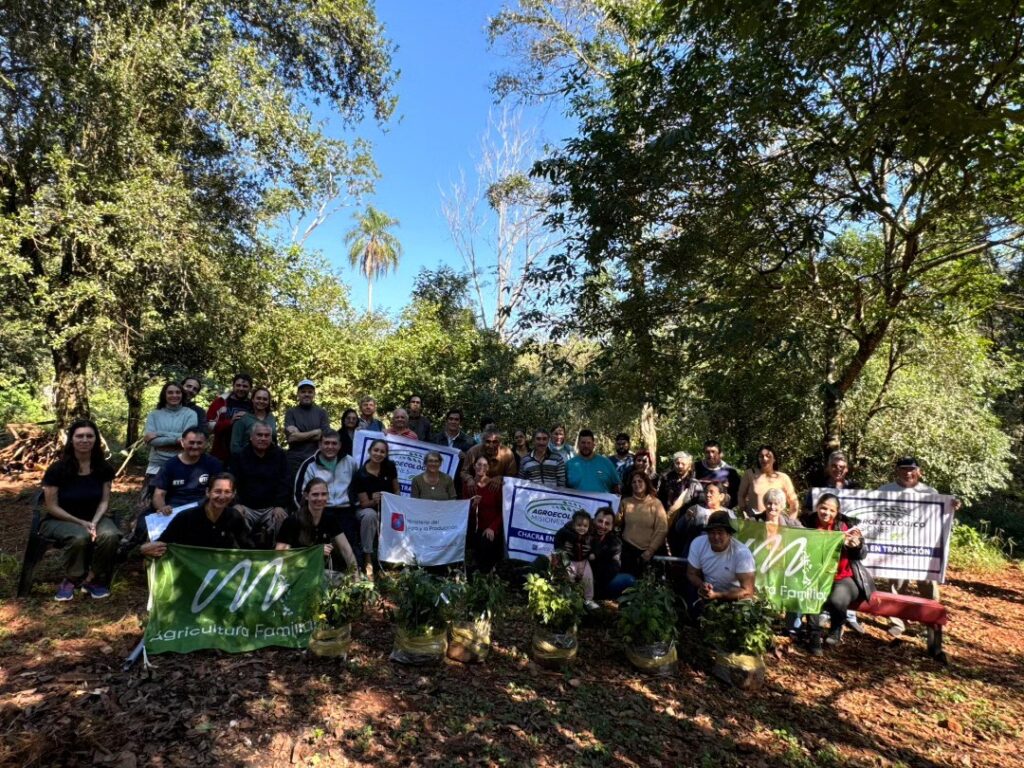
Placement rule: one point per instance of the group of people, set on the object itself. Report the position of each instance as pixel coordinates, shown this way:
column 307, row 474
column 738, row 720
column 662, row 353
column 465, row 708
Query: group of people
column 224, row 475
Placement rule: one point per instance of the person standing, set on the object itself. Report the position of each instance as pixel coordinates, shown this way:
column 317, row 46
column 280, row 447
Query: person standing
column 162, row 433
column 418, row 421
column 304, row 424
column 486, row 538
column 713, row 468
column 76, row 493
column 908, row 480
column 400, row 425
column 558, row 442
column 623, row 458
column 542, row 465
column 679, row 489
column 759, row 479
column 368, row 415
column 501, row 462
column 225, row 412
column 643, row 522
column 432, row 483
column 589, row 471
column 191, row 386
column 262, row 403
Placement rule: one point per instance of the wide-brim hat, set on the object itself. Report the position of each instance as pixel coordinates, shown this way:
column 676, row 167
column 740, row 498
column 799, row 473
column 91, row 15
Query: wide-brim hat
column 720, row 520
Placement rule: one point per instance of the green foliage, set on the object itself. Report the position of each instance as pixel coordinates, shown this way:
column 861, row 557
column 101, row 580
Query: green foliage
column 647, row 613
column 976, row 550
column 149, row 148
column 345, row 601
column 422, row 604
column 482, row 596
column 742, row 626
column 554, row 602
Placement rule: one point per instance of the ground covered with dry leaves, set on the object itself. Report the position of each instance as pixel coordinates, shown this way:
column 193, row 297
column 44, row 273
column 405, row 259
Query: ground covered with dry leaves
column 65, row 701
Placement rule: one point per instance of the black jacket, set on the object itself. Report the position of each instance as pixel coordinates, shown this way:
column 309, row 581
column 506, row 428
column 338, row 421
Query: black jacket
column 261, row 482
column 572, row 543
column 607, row 560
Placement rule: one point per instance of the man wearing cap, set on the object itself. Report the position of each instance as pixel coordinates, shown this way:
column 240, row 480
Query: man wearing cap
column 908, row 480
column 719, row 567
column 304, row 425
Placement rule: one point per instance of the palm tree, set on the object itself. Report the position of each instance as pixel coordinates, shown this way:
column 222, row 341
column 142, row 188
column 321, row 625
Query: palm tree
column 372, row 247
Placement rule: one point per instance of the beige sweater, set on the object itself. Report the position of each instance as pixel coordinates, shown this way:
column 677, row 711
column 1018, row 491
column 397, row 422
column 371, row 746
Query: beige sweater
column 644, row 523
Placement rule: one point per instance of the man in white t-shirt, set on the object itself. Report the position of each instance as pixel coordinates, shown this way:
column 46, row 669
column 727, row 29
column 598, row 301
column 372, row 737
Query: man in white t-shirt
column 908, row 480
column 719, row 567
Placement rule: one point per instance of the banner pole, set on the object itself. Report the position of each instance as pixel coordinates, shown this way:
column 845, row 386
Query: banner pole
column 133, row 656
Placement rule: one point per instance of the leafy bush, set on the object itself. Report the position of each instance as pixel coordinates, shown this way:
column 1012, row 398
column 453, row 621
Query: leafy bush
column 647, row 613
column 554, row 602
column 422, row 604
column 482, row 596
column 743, row 626
column 971, row 549
column 345, row 601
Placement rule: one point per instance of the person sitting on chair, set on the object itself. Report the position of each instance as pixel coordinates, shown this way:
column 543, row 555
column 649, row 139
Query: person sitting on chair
column 76, row 491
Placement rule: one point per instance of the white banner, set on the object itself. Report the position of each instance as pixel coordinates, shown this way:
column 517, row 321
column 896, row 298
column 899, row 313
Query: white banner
column 906, row 534
column 407, row 454
column 157, row 523
column 422, row 532
column 533, row 513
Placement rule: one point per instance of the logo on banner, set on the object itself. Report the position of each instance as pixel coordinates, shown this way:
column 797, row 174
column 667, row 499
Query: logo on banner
column 397, row 522
column 551, row 514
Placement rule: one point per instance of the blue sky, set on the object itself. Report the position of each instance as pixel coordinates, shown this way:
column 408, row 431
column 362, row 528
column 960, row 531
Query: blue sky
column 443, row 103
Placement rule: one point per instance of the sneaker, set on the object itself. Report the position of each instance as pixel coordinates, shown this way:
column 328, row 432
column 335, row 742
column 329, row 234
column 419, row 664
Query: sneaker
column 65, row 592
column 856, row 626
column 95, row 591
column 834, row 637
column 815, row 645
column 591, row 605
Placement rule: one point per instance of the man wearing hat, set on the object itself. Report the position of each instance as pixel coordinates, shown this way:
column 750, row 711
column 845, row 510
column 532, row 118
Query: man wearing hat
column 719, row 567
column 908, row 480
column 304, row 425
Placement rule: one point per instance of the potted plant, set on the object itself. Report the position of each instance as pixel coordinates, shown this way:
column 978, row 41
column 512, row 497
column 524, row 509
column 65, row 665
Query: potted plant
column 422, row 610
column 341, row 603
column 648, row 623
column 475, row 604
column 556, row 606
column 738, row 634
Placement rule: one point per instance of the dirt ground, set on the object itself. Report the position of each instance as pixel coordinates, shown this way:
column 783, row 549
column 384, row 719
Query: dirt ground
column 65, row 701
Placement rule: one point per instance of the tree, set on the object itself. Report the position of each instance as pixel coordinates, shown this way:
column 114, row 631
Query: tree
column 722, row 162
column 373, row 248
column 498, row 224
column 200, row 105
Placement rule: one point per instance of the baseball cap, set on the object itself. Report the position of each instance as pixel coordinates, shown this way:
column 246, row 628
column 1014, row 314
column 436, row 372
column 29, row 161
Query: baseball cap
column 306, row 383
column 907, row 461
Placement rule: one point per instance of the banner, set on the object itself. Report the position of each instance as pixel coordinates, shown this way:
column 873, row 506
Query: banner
column 408, row 455
column 233, row 600
column 795, row 566
column 533, row 513
column 422, row 532
column 906, row 534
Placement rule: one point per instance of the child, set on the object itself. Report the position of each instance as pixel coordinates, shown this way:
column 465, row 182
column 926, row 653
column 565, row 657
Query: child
column 574, row 541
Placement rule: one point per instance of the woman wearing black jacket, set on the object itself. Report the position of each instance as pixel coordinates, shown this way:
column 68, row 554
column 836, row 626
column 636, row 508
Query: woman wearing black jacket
column 852, row 582
column 606, row 546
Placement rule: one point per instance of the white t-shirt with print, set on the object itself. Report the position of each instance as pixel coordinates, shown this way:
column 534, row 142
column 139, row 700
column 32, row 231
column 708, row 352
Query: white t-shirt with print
column 720, row 568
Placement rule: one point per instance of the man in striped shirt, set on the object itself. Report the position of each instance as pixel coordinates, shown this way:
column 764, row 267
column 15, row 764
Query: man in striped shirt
column 542, row 465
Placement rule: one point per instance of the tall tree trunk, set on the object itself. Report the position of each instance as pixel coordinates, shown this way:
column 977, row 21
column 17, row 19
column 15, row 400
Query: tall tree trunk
column 71, row 389
column 133, row 394
column 649, row 432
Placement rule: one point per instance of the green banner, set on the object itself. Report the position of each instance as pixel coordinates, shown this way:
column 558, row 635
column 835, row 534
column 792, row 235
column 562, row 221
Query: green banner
column 795, row 566
column 233, row 600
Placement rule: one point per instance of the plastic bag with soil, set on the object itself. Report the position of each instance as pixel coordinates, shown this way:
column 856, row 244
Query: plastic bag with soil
column 656, row 659
column 469, row 641
column 554, row 649
column 420, row 648
column 331, row 642
column 742, row 670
